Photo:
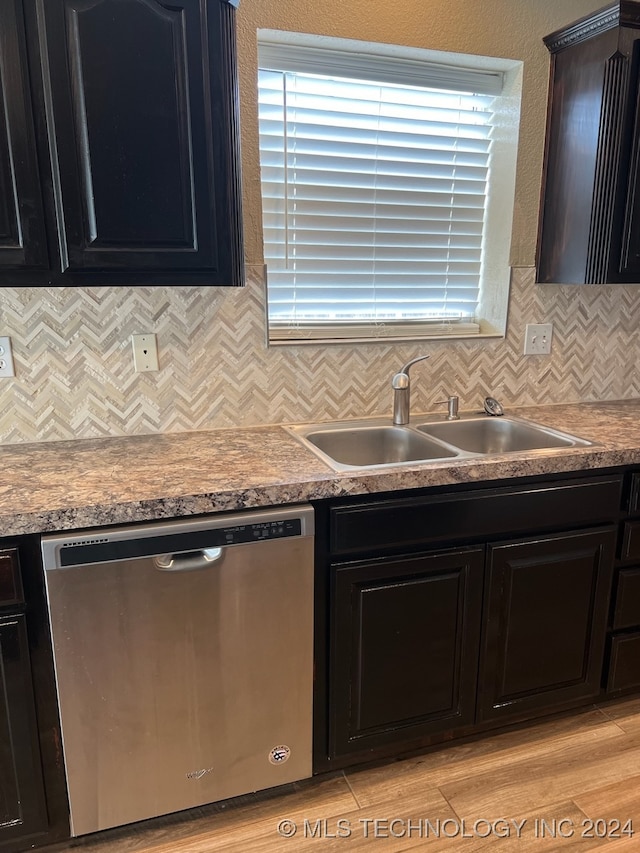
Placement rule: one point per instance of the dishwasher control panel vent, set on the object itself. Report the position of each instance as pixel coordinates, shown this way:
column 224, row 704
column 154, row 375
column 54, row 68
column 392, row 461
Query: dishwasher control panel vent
column 84, row 542
column 257, row 532
column 176, row 537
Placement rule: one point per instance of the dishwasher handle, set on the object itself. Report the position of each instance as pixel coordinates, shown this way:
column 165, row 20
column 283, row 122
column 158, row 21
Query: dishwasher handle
column 188, row 562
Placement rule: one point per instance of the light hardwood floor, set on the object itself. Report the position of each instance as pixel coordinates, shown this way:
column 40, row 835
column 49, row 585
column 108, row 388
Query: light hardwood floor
column 552, row 786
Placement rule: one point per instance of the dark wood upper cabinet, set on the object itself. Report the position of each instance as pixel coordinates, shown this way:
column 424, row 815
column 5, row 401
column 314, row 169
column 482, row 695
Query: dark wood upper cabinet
column 135, row 105
column 23, row 242
column 589, row 229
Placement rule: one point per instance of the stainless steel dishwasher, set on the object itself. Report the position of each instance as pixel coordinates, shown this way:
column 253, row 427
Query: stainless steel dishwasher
column 184, row 661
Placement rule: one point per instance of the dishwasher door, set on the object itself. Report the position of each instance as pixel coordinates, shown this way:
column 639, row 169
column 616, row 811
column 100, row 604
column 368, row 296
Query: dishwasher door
column 184, row 661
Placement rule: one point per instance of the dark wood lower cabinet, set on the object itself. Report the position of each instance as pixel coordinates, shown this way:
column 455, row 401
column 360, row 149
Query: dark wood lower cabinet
column 407, row 643
column 546, row 611
column 507, row 620
column 33, row 803
column 406, row 634
column 22, row 803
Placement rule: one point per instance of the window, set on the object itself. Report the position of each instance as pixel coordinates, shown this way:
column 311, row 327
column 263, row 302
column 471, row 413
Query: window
column 383, row 187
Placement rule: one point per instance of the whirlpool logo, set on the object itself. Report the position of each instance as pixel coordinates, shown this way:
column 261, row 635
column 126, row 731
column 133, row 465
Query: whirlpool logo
column 198, row 774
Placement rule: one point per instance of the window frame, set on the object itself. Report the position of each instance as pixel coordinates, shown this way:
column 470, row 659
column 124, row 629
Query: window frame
column 426, row 67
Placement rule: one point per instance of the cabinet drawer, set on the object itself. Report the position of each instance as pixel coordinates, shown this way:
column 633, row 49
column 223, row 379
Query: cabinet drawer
column 410, row 522
column 631, row 541
column 10, row 583
column 624, row 665
column 627, row 608
column 633, row 503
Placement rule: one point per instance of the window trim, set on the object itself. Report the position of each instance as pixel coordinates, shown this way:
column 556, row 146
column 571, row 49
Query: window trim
column 417, row 67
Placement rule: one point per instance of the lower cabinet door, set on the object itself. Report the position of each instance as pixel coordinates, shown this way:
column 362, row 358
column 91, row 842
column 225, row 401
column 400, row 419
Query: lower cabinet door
column 546, row 603
column 404, row 648
column 22, row 803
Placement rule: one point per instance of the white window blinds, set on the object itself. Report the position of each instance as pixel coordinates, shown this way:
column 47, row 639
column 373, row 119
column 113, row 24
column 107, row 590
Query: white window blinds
column 374, row 193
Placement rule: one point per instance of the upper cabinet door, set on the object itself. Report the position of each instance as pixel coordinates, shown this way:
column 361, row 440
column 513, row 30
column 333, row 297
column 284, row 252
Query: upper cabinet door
column 630, row 242
column 140, row 104
column 23, row 241
column 589, row 229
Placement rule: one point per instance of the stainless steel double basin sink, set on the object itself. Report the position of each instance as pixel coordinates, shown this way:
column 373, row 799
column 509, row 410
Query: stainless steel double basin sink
column 369, row 443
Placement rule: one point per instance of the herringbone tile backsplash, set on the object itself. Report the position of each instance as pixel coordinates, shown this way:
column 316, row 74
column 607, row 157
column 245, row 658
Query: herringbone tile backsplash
column 75, row 377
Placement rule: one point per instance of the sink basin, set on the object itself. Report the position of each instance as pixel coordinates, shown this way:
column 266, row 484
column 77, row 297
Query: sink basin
column 353, row 445
column 486, row 435
column 377, row 443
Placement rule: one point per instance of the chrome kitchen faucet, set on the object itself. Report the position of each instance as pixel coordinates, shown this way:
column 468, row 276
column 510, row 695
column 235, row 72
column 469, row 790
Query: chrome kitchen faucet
column 401, row 385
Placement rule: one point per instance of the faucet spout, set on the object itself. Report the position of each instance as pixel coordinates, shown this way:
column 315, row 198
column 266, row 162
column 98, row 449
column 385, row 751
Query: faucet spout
column 401, row 385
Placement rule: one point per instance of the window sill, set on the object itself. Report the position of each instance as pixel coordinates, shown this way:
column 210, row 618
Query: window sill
column 379, row 335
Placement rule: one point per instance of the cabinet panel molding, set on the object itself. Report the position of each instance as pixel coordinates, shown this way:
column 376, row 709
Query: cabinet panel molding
column 614, row 97
column 135, row 166
column 626, row 612
column 408, row 632
column 23, row 242
column 589, row 226
column 624, row 665
column 11, row 592
column 630, row 547
column 22, row 808
column 128, row 91
column 546, row 609
column 134, row 107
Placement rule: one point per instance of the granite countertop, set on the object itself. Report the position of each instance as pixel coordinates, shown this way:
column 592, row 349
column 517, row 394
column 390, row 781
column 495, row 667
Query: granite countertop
column 76, row 484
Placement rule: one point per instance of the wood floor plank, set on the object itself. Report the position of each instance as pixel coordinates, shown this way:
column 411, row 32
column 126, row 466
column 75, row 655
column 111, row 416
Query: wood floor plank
column 626, row 713
column 617, row 802
column 565, row 773
column 621, row 846
column 546, row 829
column 460, row 761
column 620, row 707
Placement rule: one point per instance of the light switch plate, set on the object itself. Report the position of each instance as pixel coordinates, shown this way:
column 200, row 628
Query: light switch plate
column 6, row 358
column 537, row 338
column 145, row 353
